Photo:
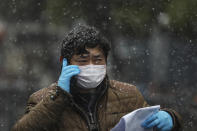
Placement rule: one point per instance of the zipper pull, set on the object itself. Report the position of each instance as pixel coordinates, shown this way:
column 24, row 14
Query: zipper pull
column 93, row 126
column 91, row 118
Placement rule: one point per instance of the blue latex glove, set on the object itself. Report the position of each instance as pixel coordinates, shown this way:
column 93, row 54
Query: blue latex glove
column 161, row 120
column 67, row 72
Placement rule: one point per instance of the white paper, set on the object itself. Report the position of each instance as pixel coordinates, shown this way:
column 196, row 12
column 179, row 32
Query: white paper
column 133, row 120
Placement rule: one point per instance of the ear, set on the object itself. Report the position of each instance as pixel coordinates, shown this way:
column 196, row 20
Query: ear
column 61, row 59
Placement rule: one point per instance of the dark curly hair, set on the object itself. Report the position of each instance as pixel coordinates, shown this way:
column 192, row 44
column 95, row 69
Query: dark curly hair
column 79, row 38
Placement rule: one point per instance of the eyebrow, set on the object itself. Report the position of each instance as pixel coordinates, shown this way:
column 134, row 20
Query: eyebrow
column 97, row 56
column 84, row 55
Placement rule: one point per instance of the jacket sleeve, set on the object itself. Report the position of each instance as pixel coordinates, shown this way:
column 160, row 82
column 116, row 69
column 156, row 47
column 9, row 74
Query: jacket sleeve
column 177, row 120
column 44, row 115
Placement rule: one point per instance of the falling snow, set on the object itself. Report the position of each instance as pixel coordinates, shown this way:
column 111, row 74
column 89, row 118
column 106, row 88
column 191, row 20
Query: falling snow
column 153, row 47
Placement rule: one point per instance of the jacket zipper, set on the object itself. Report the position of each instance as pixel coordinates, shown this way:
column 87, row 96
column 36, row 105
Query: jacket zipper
column 89, row 121
column 96, row 106
column 90, row 114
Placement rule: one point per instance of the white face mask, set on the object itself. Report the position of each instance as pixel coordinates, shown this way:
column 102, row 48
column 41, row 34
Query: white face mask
column 91, row 75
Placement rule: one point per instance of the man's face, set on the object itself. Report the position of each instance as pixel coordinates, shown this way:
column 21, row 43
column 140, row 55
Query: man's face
column 93, row 56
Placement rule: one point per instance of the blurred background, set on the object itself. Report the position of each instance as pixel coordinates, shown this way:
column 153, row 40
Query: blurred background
column 154, row 46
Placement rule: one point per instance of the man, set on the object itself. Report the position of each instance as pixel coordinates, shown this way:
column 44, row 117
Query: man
column 84, row 99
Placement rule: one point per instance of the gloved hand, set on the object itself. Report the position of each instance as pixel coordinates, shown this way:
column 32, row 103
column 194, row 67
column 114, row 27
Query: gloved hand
column 161, row 120
column 66, row 74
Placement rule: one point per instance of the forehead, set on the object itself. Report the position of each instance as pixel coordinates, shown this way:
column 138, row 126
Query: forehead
column 94, row 51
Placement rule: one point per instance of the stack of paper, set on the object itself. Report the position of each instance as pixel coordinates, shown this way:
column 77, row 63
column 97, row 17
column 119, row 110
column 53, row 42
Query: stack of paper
column 133, row 120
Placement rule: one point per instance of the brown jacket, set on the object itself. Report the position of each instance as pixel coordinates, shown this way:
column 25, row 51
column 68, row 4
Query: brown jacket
column 52, row 109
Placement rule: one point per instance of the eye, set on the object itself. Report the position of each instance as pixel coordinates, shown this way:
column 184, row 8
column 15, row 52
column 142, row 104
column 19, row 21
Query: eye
column 99, row 59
